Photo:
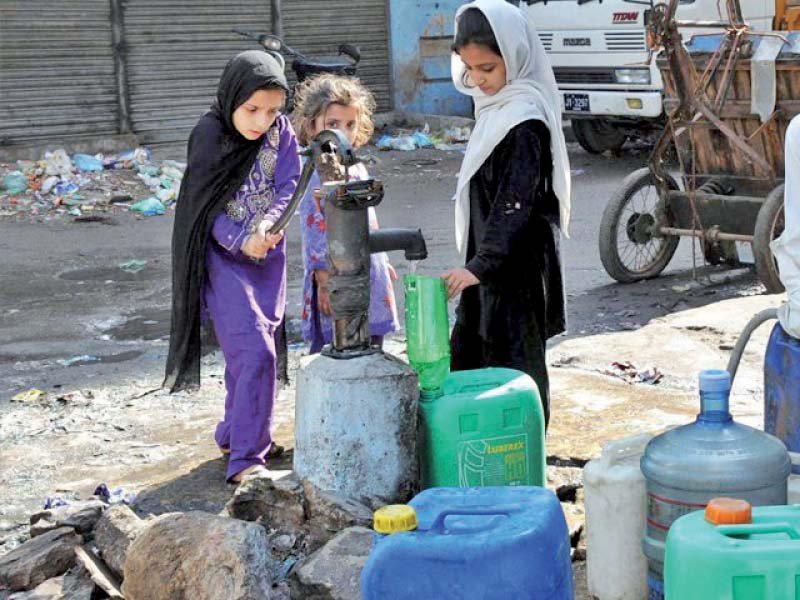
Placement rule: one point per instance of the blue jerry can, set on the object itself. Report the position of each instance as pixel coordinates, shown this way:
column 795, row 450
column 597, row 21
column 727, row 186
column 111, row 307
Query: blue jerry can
column 782, row 389
column 489, row 543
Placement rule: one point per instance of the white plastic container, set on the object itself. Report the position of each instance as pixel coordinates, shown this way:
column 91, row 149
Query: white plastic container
column 616, row 567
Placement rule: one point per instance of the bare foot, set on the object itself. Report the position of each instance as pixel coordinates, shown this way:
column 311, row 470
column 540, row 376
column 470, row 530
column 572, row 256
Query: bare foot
column 251, row 471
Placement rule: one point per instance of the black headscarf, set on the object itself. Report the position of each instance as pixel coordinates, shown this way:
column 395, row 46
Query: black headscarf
column 219, row 159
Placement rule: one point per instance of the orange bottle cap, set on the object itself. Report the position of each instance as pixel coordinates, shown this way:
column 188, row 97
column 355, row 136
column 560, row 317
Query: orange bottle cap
column 728, row 511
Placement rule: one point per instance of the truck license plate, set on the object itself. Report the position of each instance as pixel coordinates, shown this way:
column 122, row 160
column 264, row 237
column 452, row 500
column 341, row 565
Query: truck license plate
column 576, row 102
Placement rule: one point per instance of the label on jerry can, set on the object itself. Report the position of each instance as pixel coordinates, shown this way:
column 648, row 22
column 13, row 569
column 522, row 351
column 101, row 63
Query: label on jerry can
column 494, row 461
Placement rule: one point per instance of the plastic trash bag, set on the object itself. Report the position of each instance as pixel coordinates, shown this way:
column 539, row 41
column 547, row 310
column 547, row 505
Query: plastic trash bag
column 84, row 162
column 15, row 182
column 149, row 207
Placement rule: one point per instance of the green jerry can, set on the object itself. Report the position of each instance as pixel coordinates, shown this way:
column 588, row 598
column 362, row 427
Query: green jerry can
column 734, row 552
column 482, row 428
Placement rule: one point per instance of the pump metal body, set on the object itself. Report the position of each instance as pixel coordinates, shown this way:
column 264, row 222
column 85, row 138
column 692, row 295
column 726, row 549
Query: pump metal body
column 350, row 242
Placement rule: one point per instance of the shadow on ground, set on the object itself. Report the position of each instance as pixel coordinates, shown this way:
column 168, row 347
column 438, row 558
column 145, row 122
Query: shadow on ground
column 203, row 488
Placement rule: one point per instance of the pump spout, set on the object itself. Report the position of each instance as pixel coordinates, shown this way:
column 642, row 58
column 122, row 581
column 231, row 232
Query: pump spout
column 409, row 240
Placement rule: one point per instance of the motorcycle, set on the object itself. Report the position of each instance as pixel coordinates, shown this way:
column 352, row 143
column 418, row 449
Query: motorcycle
column 345, row 64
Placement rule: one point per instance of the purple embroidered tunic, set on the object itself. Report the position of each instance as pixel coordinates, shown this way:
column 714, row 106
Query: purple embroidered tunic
column 246, row 300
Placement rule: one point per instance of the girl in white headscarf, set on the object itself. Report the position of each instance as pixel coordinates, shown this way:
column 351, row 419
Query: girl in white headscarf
column 512, row 198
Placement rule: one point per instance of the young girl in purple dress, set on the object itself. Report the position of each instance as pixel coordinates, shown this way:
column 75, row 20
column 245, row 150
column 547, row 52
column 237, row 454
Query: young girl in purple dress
column 333, row 102
column 243, row 167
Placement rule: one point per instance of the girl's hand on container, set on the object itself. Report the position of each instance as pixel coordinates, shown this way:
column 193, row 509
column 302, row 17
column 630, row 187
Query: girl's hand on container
column 323, row 294
column 457, row 280
column 392, row 272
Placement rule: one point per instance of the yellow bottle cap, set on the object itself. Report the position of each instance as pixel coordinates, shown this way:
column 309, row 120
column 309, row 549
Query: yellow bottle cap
column 395, row 518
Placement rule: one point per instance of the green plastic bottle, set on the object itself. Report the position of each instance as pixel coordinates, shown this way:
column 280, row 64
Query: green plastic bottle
column 485, row 429
column 427, row 330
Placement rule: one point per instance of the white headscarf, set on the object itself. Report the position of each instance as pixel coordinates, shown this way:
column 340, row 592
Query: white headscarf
column 531, row 93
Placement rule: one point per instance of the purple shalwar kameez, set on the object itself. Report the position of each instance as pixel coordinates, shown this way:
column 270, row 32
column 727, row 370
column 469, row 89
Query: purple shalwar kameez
column 317, row 328
column 246, row 299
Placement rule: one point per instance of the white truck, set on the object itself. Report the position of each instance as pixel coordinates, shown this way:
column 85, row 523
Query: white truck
column 609, row 82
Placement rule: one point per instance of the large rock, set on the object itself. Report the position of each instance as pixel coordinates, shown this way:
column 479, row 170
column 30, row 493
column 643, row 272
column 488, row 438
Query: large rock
column 114, row 533
column 82, row 516
column 198, row 556
column 329, row 513
column 78, row 584
column 299, row 509
column 334, row 571
column 52, row 589
column 75, row 585
column 42, row 558
column 278, row 504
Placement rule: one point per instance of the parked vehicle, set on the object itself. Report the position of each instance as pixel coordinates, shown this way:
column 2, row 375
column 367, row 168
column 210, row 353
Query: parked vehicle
column 610, row 84
column 728, row 133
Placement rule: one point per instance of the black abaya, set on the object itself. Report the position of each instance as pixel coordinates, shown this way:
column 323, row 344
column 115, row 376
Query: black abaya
column 513, row 250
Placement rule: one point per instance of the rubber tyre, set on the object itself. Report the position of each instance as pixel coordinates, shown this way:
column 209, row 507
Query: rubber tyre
column 609, row 255
column 596, row 136
column 770, row 216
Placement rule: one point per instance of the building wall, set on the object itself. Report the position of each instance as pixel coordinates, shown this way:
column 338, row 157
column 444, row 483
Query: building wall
column 421, row 35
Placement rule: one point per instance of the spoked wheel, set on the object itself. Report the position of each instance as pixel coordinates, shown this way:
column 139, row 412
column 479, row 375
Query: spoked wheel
column 769, row 226
column 631, row 247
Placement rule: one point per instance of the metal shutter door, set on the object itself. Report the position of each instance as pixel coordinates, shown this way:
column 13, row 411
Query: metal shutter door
column 176, row 51
column 56, row 70
column 317, row 27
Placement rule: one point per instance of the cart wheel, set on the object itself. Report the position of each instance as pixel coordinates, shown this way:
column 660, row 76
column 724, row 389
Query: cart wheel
column 769, row 225
column 596, row 136
column 629, row 250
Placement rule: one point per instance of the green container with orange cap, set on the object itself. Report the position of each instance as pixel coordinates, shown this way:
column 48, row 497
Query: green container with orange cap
column 732, row 551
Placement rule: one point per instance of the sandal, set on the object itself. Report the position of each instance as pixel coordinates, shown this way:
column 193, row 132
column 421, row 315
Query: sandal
column 275, row 451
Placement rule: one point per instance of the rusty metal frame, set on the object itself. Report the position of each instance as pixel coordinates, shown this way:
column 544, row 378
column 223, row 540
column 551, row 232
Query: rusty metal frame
column 698, row 107
column 695, row 104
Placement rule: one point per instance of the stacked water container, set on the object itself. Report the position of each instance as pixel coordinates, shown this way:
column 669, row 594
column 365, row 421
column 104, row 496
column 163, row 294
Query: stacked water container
column 455, row 541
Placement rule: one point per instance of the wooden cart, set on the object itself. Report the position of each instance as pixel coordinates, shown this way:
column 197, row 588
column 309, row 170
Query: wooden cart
column 727, row 136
